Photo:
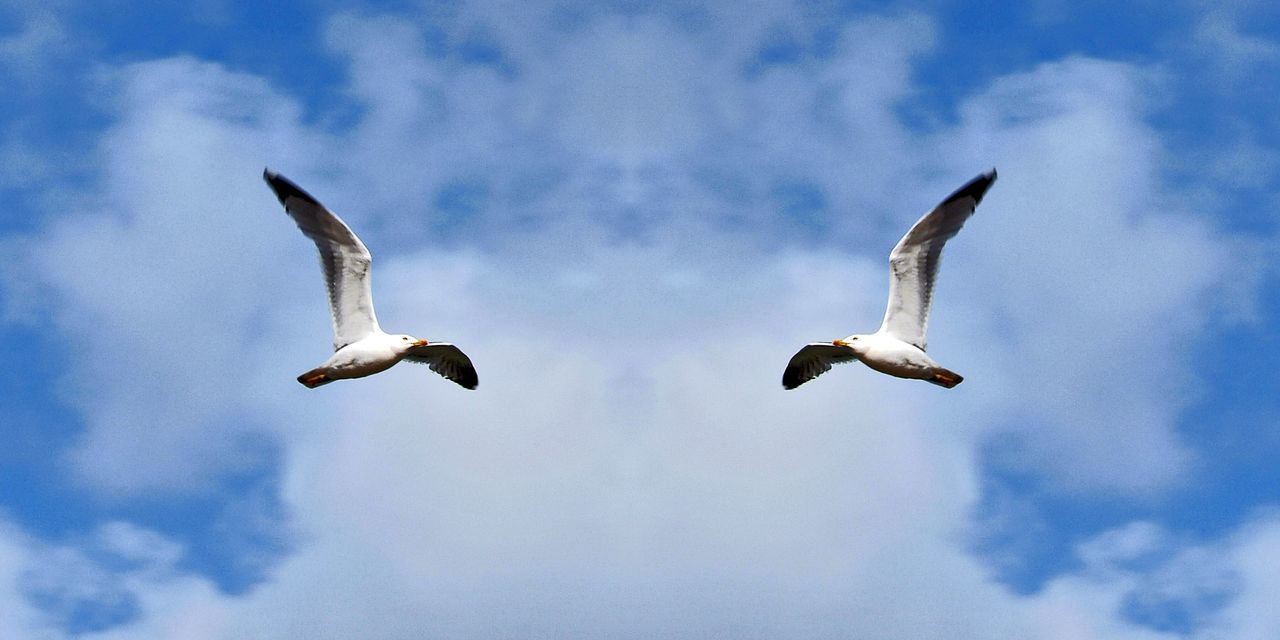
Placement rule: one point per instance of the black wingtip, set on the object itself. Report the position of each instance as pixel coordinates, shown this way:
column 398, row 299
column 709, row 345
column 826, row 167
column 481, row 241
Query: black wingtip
column 284, row 188
column 975, row 188
column 791, row 379
column 466, row 377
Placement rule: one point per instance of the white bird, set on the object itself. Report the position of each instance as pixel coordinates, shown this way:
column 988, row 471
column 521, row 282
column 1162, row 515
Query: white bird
column 360, row 346
column 898, row 347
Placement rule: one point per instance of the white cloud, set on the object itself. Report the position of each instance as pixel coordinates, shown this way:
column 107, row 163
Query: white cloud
column 1218, row 36
column 630, row 466
column 1250, row 614
column 84, row 584
column 31, row 52
column 158, row 377
column 19, row 618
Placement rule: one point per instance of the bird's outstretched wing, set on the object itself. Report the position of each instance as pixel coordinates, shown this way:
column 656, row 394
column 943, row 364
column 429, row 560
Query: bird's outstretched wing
column 446, row 360
column 913, row 263
column 813, row 360
column 344, row 258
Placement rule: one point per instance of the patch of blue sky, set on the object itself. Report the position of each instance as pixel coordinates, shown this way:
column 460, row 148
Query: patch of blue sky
column 232, row 532
column 48, row 136
column 456, row 206
column 37, row 425
column 83, row 613
column 803, row 206
column 39, row 491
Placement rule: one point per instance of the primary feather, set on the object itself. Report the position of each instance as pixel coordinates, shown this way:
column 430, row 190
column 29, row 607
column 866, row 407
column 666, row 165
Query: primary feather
column 813, row 360
column 446, row 360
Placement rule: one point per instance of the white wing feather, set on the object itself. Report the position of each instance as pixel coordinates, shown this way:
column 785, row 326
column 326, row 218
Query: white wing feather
column 913, row 263
column 344, row 258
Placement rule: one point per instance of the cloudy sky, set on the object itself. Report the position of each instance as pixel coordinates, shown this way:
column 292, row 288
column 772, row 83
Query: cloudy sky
column 630, row 215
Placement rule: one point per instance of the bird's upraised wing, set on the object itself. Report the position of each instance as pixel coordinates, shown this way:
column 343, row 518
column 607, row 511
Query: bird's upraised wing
column 913, row 263
column 344, row 258
column 446, row 360
column 813, row 360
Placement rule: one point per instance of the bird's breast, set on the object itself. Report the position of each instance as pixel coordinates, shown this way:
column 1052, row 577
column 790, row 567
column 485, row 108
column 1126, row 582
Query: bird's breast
column 363, row 358
column 898, row 359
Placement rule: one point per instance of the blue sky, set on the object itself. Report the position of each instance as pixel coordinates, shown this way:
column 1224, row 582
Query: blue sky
column 630, row 215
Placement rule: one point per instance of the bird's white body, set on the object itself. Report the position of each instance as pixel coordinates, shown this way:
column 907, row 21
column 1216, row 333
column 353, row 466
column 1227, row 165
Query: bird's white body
column 887, row 354
column 372, row 354
column 898, row 347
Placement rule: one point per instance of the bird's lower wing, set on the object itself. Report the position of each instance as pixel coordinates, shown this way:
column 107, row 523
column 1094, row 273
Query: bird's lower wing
column 446, row 360
column 813, row 360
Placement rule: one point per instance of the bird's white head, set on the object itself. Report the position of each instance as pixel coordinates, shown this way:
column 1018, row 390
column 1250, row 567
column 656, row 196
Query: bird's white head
column 855, row 343
column 404, row 343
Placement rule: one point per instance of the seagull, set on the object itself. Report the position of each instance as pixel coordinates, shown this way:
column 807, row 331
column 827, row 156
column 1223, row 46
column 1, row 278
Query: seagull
column 898, row 347
column 360, row 346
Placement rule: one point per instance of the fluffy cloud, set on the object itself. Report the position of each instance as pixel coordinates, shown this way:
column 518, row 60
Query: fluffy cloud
column 1093, row 263
column 1219, row 37
column 596, row 221
column 158, row 379
column 30, row 52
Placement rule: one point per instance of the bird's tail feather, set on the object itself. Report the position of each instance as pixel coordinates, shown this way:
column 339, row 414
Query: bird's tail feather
column 946, row 378
column 314, row 378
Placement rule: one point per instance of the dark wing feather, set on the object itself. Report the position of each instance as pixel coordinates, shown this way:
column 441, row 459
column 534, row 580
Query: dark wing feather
column 913, row 263
column 813, row 360
column 446, row 360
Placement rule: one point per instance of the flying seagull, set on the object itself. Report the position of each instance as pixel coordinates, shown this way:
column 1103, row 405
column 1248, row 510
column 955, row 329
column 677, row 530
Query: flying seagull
column 898, row 347
column 360, row 346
